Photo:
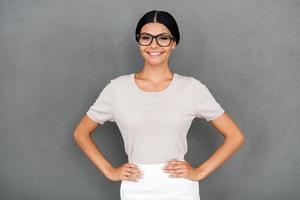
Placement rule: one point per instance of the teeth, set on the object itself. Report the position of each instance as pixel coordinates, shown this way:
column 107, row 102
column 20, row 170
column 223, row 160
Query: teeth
column 154, row 53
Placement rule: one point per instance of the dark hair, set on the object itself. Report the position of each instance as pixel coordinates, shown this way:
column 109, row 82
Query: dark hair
column 162, row 17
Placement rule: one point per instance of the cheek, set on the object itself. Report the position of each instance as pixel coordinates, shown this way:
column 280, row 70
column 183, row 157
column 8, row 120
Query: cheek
column 143, row 53
column 168, row 51
column 142, row 49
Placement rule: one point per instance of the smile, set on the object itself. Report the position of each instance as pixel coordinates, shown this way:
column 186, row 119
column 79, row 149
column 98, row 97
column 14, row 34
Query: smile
column 154, row 53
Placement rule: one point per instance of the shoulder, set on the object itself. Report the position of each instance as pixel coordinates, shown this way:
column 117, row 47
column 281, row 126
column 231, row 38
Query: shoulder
column 190, row 80
column 121, row 77
column 119, row 80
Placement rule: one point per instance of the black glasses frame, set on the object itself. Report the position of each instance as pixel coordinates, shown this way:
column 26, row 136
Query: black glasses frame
column 154, row 37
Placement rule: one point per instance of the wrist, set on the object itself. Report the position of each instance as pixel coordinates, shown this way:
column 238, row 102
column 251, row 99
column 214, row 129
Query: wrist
column 106, row 170
column 201, row 173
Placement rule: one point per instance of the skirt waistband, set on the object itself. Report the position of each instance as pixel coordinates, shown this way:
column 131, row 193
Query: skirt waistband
column 156, row 165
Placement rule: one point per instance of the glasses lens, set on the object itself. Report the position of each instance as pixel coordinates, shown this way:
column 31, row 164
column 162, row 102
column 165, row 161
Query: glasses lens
column 164, row 40
column 145, row 39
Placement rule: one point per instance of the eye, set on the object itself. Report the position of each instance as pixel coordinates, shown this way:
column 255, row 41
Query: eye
column 164, row 37
column 145, row 37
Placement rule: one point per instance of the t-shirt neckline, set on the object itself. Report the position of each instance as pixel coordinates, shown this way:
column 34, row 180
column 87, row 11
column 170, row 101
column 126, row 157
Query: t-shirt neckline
column 152, row 93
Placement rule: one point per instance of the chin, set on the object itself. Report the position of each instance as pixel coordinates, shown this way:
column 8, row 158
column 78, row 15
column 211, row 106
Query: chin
column 151, row 62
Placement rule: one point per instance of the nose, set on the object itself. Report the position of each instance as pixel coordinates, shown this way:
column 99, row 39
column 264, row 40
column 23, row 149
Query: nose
column 154, row 43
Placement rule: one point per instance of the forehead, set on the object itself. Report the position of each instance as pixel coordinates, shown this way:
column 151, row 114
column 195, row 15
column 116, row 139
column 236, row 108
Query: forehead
column 155, row 28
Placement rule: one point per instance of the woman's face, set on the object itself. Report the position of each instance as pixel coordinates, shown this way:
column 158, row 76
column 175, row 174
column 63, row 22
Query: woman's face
column 164, row 52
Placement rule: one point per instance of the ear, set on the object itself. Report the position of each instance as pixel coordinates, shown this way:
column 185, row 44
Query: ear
column 173, row 45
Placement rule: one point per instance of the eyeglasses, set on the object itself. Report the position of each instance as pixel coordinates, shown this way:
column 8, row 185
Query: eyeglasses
column 162, row 39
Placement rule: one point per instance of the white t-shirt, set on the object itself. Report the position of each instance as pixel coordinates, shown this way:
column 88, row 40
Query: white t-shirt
column 154, row 125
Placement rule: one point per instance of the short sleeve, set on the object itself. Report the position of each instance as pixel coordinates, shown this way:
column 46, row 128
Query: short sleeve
column 102, row 109
column 206, row 105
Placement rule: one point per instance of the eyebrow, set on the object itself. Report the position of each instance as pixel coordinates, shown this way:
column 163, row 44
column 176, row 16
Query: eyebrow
column 157, row 34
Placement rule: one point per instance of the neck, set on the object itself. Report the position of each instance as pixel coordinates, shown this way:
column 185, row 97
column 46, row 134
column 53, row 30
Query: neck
column 156, row 72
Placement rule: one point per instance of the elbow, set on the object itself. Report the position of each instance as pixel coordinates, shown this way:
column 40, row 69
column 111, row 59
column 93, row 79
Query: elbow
column 237, row 138
column 241, row 139
column 78, row 135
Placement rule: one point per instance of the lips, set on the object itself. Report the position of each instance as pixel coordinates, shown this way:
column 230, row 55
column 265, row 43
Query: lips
column 153, row 53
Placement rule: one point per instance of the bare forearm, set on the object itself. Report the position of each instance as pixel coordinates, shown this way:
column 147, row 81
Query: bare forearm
column 226, row 150
column 89, row 147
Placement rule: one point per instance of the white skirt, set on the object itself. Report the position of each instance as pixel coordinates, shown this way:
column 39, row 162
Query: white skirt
column 157, row 185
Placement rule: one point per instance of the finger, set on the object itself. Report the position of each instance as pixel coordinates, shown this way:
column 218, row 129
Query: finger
column 175, row 171
column 178, row 174
column 169, row 164
column 138, row 170
column 127, row 175
column 134, row 173
column 135, row 176
column 131, row 166
column 132, row 179
column 170, row 169
column 134, row 167
column 175, row 166
column 180, row 165
column 171, row 161
column 175, row 162
column 135, row 170
column 178, row 171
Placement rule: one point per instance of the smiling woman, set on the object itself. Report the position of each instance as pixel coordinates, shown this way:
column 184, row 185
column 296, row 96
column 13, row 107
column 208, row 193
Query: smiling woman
column 154, row 109
column 157, row 34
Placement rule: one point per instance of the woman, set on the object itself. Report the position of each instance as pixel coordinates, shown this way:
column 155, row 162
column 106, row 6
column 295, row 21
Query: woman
column 154, row 109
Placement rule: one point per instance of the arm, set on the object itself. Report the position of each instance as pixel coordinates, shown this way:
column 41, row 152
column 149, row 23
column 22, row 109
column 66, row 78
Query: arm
column 83, row 137
column 233, row 141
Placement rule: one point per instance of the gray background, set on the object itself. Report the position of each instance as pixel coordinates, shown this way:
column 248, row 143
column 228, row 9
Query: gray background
column 56, row 56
